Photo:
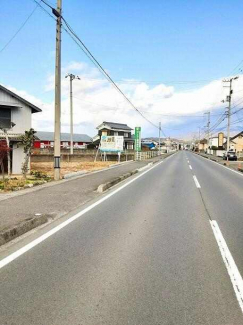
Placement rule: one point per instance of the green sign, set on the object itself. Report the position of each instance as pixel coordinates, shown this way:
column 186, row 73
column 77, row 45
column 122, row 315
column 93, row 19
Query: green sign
column 137, row 138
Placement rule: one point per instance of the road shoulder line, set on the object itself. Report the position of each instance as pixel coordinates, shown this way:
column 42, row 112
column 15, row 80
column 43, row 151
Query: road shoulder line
column 226, row 168
column 229, row 262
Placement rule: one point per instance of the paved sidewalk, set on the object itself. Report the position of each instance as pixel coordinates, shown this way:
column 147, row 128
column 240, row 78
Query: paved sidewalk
column 60, row 199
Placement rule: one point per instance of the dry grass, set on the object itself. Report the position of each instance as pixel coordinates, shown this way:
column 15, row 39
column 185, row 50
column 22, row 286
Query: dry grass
column 69, row 167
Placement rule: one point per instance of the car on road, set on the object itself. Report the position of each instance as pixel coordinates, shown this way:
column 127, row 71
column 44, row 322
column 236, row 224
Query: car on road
column 231, row 155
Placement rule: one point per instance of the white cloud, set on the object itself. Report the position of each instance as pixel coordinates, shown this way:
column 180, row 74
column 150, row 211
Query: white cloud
column 95, row 100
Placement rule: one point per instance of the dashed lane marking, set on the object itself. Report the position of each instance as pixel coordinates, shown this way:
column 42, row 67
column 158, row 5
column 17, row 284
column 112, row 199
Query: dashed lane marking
column 196, row 182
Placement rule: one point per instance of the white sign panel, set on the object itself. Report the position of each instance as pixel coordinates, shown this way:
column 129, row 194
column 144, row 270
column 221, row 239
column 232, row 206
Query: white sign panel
column 111, row 143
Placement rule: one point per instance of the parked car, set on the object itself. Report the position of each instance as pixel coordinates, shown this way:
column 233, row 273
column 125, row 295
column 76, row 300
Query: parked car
column 231, row 155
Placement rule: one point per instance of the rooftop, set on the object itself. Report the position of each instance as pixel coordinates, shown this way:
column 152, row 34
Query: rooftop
column 115, row 126
column 49, row 136
column 34, row 108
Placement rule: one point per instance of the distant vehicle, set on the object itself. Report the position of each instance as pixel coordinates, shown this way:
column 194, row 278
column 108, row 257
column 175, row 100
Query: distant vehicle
column 231, row 155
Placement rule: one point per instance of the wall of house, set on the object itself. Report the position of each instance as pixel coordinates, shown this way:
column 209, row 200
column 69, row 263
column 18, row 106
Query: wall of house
column 17, row 158
column 20, row 116
column 112, row 132
column 238, row 143
column 50, row 144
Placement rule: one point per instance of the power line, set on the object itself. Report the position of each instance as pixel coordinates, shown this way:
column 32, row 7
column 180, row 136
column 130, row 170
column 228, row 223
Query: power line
column 38, row 3
column 91, row 57
column 107, row 76
column 47, row 4
column 20, row 28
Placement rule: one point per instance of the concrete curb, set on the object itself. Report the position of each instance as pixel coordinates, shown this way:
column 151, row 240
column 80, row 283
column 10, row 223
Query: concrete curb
column 10, row 233
column 75, row 174
column 103, row 187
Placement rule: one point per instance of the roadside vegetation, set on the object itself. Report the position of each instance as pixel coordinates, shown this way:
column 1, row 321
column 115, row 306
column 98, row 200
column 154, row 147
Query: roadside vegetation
column 18, row 183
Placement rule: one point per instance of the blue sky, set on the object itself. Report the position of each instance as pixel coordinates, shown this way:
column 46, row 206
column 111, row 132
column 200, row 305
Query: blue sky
column 159, row 42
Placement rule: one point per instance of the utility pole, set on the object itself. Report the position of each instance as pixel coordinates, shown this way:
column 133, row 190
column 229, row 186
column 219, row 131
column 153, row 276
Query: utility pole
column 71, row 77
column 159, row 135
column 199, row 134
column 208, row 126
column 57, row 142
column 228, row 99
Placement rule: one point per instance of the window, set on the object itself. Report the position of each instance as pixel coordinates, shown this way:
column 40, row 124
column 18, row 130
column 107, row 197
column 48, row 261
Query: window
column 115, row 134
column 5, row 118
column 125, row 135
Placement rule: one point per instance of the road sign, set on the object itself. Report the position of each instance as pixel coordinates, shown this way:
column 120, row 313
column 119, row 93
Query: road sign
column 137, row 138
column 111, row 143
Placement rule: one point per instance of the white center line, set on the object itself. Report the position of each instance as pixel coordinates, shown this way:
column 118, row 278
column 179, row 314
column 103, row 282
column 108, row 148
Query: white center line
column 196, row 181
column 229, row 262
column 190, row 166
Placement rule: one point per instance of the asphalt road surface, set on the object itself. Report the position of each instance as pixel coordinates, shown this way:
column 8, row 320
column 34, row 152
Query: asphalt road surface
column 147, row 252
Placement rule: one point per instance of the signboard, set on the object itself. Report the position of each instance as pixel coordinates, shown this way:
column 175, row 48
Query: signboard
column 111, row 143
column 137, row 138
column 220, row 139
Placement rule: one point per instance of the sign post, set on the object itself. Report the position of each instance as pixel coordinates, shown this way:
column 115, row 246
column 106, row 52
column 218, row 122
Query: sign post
column 112, row 144
column 137, row 140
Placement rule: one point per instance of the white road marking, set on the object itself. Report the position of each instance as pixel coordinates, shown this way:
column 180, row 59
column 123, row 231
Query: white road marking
column 51, row 232
column 229, row 262
column 196, row 181
column 227, row 168
column 146, row 166
column 190, row 166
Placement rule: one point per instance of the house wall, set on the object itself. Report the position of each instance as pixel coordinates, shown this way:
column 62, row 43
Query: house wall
column 238, row 143
column 17, row 158
column 20, row 116
column 50, row 144
column 112, row 132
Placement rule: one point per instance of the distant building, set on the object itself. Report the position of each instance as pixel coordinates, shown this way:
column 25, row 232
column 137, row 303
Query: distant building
column 115, row 129
column 203, row 144
column 46, row 140
column 236, row 143
column 15, row 119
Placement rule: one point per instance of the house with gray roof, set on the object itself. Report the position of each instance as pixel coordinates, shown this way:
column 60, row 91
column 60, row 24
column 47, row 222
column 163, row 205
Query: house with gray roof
column 115, row 129
column 15, row 118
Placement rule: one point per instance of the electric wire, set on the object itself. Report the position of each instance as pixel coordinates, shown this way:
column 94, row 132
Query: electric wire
column 107, row 76
column 19, row 29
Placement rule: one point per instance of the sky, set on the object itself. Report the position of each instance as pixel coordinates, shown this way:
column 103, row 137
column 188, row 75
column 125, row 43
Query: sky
column 168, row 57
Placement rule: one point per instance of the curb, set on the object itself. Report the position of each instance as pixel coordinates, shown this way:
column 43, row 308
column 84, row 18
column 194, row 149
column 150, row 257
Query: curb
column 23, row 227
column 74, row 174
column 103, row 187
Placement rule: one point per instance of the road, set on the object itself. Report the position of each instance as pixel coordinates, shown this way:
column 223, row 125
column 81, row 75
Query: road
column 144, row 253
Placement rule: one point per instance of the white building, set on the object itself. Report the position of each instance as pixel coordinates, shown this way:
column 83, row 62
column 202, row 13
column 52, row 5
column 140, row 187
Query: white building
column 15, row 119
column 214, row 147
